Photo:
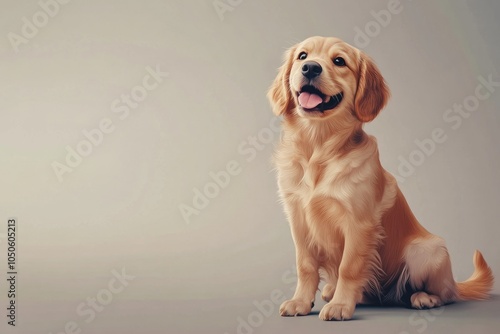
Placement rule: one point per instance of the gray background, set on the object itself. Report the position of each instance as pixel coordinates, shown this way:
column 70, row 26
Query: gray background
column 120, row 208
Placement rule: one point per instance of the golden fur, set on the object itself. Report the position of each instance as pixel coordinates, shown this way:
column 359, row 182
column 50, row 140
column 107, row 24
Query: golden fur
column 348, row 218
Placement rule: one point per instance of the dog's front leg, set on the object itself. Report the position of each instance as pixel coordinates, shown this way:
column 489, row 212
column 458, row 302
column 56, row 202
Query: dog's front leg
column 307, row 266
column 307, row 284
column 357, row 267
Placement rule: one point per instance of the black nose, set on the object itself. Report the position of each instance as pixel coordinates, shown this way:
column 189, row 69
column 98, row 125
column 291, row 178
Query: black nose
column 311, row 69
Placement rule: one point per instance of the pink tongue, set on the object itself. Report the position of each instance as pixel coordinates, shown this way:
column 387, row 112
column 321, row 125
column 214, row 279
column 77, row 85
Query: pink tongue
column 309, row 101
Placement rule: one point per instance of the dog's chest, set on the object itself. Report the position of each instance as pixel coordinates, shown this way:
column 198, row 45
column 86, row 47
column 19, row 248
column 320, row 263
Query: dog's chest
column 313, row 172
column 313, row 180
column 309, row 173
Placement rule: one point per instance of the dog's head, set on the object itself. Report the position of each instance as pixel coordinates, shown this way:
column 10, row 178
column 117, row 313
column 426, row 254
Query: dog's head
column 324, row 76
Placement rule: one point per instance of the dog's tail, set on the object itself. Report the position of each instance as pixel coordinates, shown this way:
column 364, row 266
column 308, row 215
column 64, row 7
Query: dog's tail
column 479, row 284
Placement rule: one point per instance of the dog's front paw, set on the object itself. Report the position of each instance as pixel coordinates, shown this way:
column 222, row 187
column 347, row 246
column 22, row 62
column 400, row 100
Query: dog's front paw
column 333, row 311
column 294, row 307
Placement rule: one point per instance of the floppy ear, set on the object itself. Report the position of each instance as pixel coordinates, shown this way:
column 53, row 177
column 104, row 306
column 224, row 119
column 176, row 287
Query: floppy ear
column 372, row 93
column 279, row 93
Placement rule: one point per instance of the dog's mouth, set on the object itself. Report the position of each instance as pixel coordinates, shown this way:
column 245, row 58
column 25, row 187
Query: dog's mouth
column 312, row 99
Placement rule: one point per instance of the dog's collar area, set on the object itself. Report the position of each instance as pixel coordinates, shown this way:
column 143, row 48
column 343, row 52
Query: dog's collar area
column 328, row 102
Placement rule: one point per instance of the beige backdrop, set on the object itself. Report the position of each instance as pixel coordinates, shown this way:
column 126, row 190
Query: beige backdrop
column 117, row 118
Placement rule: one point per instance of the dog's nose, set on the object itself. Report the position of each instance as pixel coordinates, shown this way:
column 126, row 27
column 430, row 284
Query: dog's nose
column 311, row 69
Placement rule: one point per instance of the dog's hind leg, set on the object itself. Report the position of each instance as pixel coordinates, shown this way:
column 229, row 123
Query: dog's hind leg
column 429, row 270
column 330, row 286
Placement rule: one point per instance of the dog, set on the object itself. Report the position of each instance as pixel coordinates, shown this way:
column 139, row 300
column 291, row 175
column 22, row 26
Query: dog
column 350, row 223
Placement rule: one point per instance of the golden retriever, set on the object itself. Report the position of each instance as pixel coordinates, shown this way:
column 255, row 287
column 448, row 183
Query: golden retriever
column 349, row 220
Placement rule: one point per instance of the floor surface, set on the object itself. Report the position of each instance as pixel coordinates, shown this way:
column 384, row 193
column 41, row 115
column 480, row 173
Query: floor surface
column 244, row 317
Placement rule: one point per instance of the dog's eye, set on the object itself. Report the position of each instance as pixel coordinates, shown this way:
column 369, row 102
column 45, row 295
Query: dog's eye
column 302, row 55
column 339, row 61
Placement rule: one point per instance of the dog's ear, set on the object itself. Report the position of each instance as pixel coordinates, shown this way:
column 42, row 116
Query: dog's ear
column 372, row 93
column 279, row 93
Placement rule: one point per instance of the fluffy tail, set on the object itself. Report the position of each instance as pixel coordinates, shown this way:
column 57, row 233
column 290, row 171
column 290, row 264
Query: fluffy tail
column 479, row 284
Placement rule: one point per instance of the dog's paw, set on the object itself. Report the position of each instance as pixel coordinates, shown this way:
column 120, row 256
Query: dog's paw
column 328, row 291
column 333, row 311
column 421, row 300
column 294, row 307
